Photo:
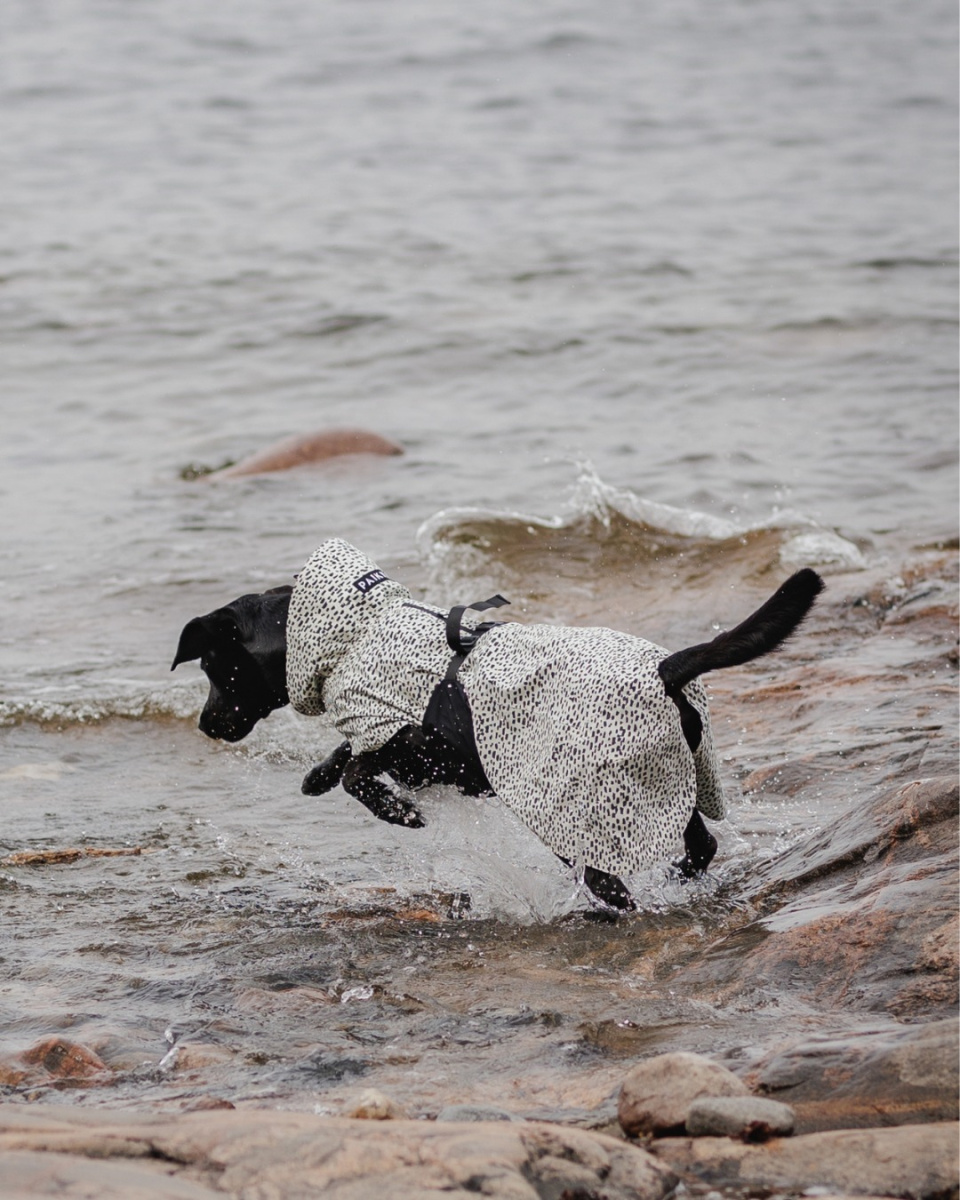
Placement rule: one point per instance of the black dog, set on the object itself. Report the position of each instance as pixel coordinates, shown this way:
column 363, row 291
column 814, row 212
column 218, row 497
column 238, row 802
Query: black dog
column 242, row 650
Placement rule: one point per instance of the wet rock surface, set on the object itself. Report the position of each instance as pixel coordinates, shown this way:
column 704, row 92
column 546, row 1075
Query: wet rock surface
column 54, row 1062
column 863, row 916
column 296, row 1154
column 886, row 1076
column 475, row 1112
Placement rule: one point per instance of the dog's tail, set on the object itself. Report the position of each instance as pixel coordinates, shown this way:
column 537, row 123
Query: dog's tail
column 763, row 631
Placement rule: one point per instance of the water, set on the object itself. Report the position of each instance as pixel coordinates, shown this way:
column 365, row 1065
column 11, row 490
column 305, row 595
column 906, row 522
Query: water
column 663, row 296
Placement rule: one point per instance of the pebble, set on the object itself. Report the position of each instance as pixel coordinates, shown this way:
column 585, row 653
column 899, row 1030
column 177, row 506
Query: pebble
column 751, row 1118
column 193, row 1056
column 374, row 1105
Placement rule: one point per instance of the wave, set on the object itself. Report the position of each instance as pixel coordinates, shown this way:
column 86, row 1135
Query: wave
column 90, row 704
column 606, row 529
column 284, row 737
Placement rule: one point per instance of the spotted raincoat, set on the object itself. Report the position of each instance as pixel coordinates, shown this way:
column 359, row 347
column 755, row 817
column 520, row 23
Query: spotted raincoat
column 573, row 726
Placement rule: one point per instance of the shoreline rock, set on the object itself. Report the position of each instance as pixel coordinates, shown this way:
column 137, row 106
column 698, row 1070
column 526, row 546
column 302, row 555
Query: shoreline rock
column 860, row 916
column 898, row 1076
column 749, row 1118
column 656, row 1095
column 198, row 1156
column 915, row 1161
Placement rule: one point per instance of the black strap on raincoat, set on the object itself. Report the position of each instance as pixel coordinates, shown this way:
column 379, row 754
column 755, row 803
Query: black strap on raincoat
column 448, row 711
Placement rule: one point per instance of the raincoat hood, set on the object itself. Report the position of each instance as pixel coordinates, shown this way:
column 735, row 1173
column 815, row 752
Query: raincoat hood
column 337, row 602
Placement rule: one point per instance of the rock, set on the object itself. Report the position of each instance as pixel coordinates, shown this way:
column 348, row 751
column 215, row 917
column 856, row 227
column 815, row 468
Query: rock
column 373, row 1105
column 306, row 448
column 264, row 1153
column 657, row 1093
column 750, row 1118
column 207, row 1104
column 33, row 1174
column 475, row 1112
column 888, row 1076
column 54, row 1062
column 912, row 1160
column 12, row 1071
column 302, row 1000
column 193, row 1056
column 888, row 823
column 70, row 854
column 860, row 916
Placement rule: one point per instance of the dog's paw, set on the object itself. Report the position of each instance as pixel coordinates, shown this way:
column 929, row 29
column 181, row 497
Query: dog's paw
column 684, row 870
column 319, row 781
column 410, row 818
column 397, row 811
column 609, row 890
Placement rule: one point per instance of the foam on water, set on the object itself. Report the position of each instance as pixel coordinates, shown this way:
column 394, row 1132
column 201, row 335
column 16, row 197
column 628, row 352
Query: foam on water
column 822, row 548
column 616, row 526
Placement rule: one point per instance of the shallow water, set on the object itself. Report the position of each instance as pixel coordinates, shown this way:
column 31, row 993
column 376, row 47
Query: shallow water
column 660, row 304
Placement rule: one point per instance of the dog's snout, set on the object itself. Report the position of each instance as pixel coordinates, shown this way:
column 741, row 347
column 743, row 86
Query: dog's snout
column 221, row 725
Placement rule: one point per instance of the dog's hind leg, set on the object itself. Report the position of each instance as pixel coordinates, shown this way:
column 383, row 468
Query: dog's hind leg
column 700, row 845
column 609, row 888
column 698, row 841
column 327, row 775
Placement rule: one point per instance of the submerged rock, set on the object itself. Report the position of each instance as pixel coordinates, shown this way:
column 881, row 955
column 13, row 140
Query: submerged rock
column 306, row 448
column 750, row 1118
column 195, row 1056
column 657, row 1093
column 54, row 1062
column 475, row 1112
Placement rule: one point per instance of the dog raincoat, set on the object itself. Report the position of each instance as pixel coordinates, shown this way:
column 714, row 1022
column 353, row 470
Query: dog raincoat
column 573, row 726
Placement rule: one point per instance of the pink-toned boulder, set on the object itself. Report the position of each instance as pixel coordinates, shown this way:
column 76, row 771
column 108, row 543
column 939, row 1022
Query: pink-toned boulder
column 301, row 449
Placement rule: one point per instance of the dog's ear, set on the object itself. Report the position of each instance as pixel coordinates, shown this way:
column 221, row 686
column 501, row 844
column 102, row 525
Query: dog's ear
column 201, row 631
column 285, row 589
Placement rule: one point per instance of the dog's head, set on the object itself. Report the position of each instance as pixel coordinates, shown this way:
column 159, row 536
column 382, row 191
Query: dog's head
column 242, row 649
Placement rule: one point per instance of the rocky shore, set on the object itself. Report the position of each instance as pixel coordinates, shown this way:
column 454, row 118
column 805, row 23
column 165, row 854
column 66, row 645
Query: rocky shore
column 65, row 1151
column 802, row 1040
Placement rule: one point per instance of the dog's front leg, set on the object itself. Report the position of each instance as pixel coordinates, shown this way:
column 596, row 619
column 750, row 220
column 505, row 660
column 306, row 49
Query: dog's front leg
column 327, row 775
column 360, row 781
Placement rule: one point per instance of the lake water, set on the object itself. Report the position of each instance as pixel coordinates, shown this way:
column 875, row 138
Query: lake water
column 660, row 301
